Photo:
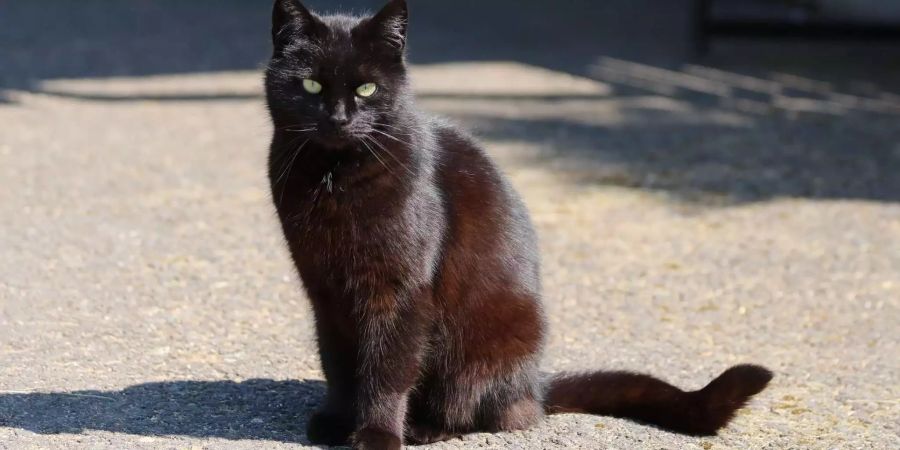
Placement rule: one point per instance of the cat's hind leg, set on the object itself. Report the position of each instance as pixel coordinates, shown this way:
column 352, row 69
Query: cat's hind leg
column 519, row 414
column 512, row 404
column 439, row 409
column 447, row 407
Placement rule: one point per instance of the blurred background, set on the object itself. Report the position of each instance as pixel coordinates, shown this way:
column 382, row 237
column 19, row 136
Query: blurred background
column 713, row 181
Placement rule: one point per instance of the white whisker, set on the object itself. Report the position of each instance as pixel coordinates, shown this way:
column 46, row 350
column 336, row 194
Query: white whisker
column 392, row 137
column 391, row 126
column 375, row 154
column 311, row 126
column 288, row 171
column 390, row 154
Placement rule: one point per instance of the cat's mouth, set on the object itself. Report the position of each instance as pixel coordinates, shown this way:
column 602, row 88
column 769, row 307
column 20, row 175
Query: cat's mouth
column 337, row 140
column 343, row 138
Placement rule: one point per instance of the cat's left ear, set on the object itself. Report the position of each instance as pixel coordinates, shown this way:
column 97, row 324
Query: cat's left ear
column 391, row 22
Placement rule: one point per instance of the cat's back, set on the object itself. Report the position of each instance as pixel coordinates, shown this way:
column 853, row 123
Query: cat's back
column 487, row 221
column 468, row 175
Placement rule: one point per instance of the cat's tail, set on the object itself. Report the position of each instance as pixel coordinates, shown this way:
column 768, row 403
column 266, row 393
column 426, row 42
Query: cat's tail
column 650, row 400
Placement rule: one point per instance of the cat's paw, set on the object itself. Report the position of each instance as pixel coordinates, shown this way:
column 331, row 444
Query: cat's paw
column 376, row 439
column 329, row 429
column 427, row 434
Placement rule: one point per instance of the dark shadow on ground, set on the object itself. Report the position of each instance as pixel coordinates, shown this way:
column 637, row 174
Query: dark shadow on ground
column 722, row 130
column 257, row 409
column 703, row 165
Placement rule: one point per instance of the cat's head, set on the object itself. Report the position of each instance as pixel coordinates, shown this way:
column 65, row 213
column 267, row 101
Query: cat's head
column 337, row 78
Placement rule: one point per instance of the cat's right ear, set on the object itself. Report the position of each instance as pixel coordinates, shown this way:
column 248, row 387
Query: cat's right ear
column 290, row 15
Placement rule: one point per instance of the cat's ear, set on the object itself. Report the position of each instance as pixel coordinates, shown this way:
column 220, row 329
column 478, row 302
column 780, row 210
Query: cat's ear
column 287, row 14
column 390, row 24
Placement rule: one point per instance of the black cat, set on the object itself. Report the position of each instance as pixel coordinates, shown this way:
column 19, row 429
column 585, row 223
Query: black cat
column 420, row 259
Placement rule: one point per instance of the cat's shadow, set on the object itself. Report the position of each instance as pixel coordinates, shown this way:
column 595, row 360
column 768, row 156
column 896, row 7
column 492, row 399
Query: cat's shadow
column 259, row 409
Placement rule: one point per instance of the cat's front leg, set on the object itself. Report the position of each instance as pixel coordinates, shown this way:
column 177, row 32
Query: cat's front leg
column 333, row 423
column 335, row 420
column 392, row 342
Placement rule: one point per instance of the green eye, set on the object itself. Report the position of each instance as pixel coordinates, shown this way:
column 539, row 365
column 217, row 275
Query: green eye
column 312, row 86
column 366, row 90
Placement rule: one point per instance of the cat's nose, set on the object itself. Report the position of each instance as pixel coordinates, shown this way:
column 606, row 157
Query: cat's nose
column 339, row 117
column 339, row 120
